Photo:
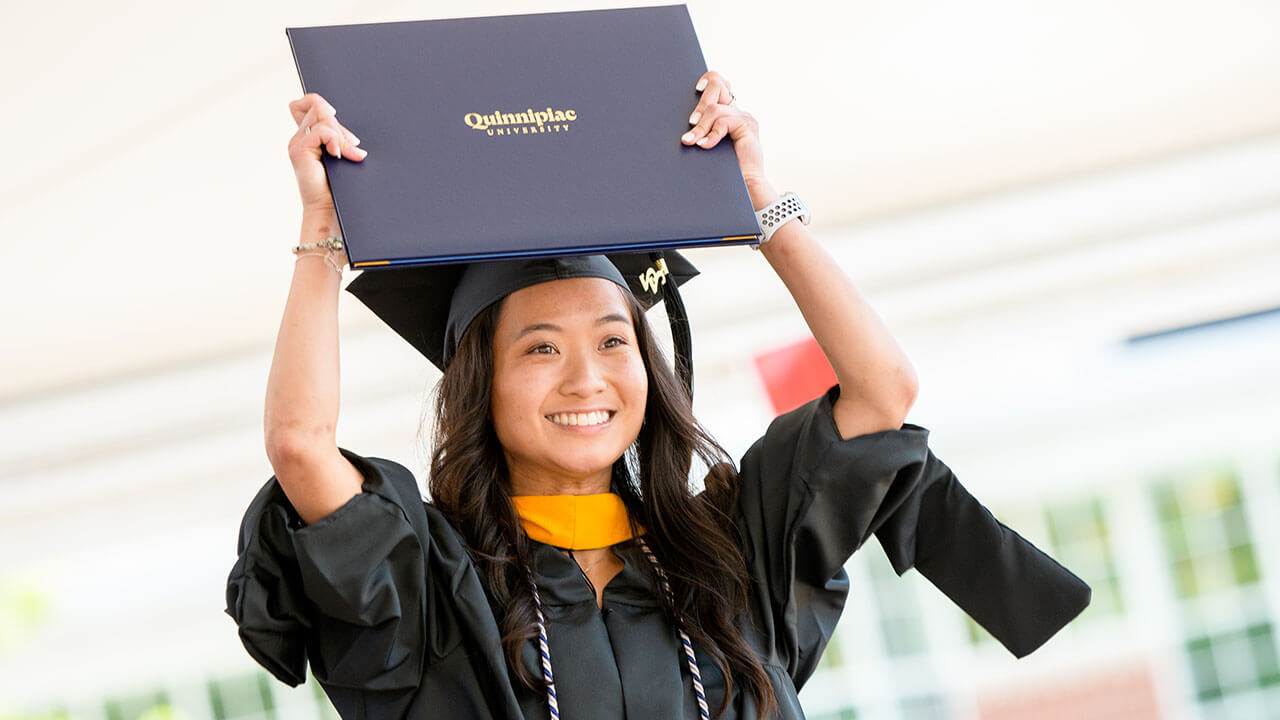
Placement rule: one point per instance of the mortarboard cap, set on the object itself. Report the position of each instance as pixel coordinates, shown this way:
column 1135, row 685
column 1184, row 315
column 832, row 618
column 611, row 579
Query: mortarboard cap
column 431, row 306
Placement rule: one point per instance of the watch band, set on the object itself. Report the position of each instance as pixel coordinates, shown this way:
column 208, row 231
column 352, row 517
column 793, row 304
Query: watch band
column 777, row 213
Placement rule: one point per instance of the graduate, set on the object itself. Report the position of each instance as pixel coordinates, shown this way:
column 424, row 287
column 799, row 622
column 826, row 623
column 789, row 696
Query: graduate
column 564, row 567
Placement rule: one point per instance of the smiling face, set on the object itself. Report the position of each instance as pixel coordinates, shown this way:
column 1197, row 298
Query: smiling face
column 569, row 385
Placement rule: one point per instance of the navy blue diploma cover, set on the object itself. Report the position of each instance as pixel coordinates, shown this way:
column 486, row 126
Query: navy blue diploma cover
column 507, row 136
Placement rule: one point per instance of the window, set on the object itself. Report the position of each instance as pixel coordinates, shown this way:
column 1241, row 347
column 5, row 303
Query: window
column 1231, row 646
column 1078, row 534
column 1204, row 530
column 1234, row 661
column 900, row 622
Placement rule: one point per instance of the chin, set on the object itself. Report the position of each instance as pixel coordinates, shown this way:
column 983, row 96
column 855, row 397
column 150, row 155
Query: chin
column 592, row 464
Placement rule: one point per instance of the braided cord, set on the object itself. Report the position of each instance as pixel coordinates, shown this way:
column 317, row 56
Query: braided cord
column 684, row 636
column 545, row 650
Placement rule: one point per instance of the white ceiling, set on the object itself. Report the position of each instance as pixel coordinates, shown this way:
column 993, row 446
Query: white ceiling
column 148, row 206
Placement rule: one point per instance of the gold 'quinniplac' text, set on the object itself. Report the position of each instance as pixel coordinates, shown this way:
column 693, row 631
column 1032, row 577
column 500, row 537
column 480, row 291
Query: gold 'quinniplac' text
column 521, row 123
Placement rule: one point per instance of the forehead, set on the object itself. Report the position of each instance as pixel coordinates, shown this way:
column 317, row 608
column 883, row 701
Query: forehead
column 587, row 298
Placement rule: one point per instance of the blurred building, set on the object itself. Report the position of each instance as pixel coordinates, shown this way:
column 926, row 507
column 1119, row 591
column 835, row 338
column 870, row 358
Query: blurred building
column 1097, row 358
column 1104, row 378
column 1068, row 213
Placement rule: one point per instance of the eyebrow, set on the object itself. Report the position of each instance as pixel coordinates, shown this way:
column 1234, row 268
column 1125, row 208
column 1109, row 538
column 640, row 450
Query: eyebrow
column 605, row 320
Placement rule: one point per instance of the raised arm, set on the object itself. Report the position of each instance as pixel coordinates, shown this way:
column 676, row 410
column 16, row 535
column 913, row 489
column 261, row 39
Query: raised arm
column 877, row 383
column 301, row 411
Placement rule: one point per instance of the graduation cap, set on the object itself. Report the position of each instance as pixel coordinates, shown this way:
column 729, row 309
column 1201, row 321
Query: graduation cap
column 431, row 306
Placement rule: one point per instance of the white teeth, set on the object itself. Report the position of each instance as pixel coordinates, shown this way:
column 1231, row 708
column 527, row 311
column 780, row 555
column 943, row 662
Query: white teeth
column 592, row 418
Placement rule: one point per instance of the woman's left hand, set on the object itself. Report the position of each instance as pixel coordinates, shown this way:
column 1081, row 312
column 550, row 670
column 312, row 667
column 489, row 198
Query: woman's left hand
column 715, row 116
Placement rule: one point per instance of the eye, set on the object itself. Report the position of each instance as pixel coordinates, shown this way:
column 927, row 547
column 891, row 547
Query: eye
column 614, row 341
column 543, row 349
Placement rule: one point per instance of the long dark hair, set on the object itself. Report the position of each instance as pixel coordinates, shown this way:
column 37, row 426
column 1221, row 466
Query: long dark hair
column 469, row 484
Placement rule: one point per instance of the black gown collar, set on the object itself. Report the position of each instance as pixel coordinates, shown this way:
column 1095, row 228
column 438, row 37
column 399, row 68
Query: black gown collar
column 561, row 581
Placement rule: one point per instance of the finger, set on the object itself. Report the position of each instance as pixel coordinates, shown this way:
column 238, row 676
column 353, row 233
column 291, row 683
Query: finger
column 719, row 129
column 723, row 91
column 328, row 138
column 298, row 110
column 315, row 118
column 715, row 92
column 319, row 129
column 700, row 128
column 308, row 141
column 349, row 149
column 333, row 140
column 305, row 121
column 310, row 121
column 337, row 140
column 709, row 77
column 300, row 107
column 704, row 124
column 313, row 134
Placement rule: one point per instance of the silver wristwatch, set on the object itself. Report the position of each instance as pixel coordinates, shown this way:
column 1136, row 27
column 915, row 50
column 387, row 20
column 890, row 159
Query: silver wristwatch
column 778, row 212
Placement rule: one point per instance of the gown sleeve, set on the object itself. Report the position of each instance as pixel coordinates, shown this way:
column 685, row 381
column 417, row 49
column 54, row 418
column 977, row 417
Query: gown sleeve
column 347, row 592
column 809, row 498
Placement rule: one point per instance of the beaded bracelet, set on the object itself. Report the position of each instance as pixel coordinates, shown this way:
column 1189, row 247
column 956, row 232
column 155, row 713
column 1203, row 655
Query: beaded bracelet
column 328, row 257
column 331, row 243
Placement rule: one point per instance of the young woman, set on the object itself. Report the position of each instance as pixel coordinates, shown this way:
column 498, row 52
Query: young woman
column 564, row 567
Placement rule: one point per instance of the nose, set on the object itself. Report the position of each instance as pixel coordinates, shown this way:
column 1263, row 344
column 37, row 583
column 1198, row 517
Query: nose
column 583, row 374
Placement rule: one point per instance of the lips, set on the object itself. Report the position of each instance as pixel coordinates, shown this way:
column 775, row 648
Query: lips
column 580, row 419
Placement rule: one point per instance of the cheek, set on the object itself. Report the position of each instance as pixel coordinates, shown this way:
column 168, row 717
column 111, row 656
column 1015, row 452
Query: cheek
column 514, row 396
column 637, row 382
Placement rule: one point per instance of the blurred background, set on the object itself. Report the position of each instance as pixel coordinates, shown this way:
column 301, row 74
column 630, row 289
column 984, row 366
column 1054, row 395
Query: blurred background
column 1067, row 212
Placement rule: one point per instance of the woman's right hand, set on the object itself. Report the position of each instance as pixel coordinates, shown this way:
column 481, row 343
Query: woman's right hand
column 318, row 131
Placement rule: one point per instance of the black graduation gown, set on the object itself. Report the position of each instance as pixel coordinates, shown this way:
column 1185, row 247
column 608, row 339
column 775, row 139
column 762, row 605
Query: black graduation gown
column 384, row 601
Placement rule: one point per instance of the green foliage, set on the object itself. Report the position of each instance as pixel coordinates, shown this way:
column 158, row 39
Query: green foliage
column 24, row 606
